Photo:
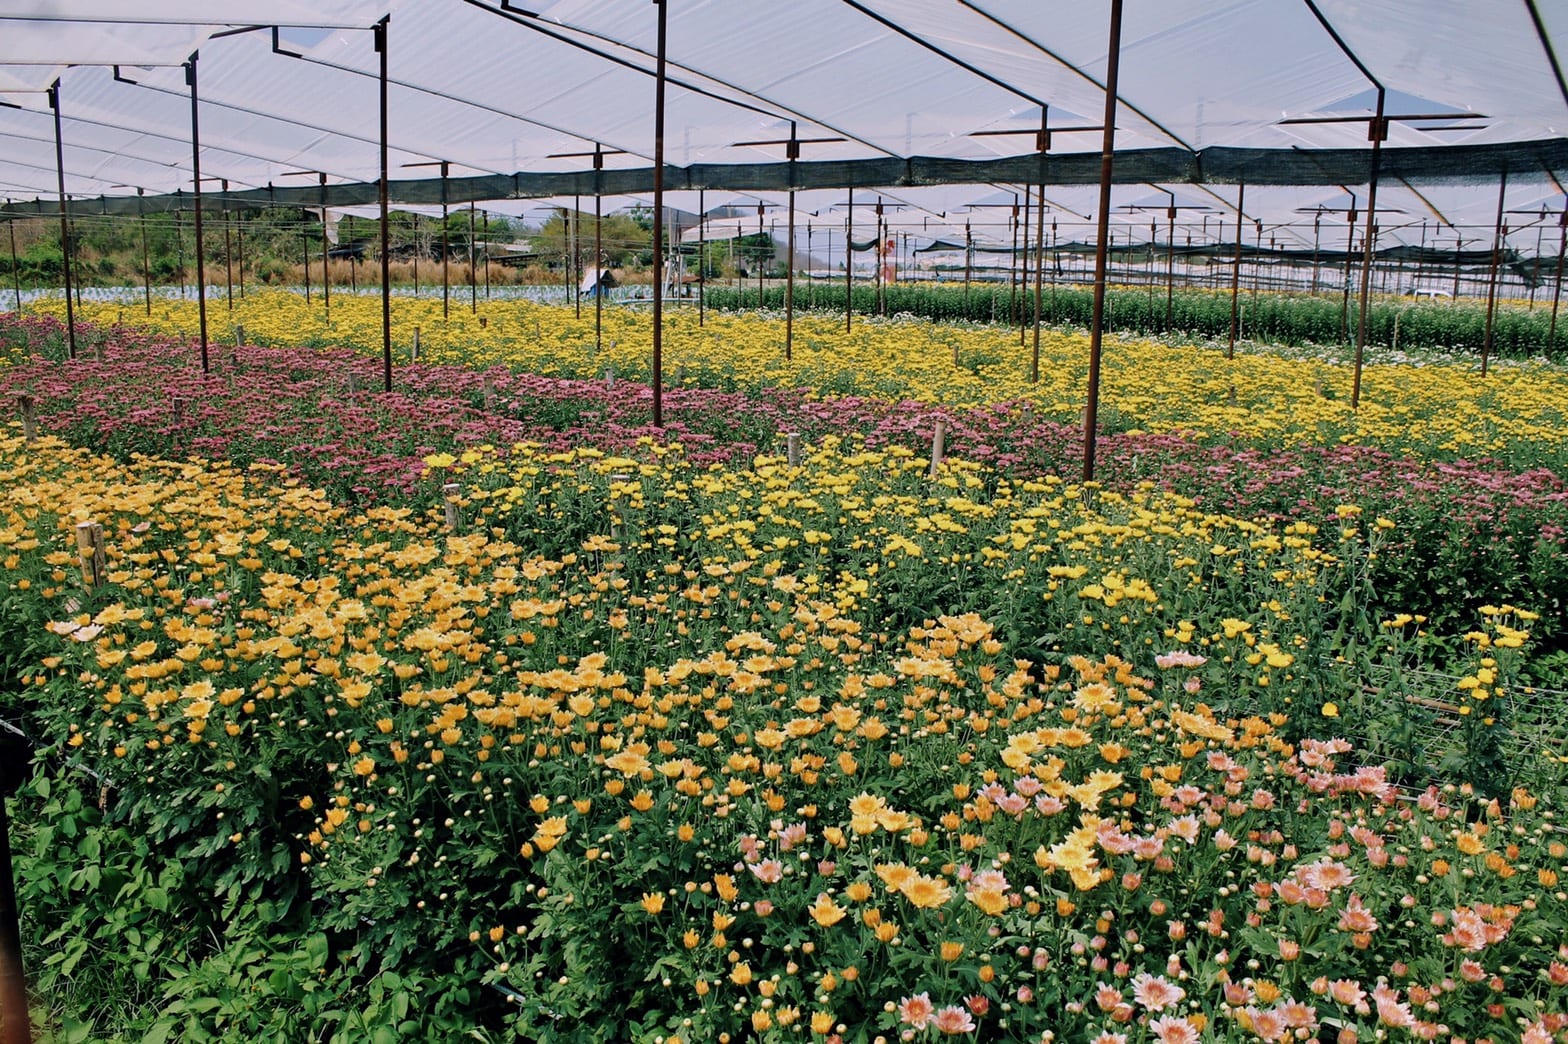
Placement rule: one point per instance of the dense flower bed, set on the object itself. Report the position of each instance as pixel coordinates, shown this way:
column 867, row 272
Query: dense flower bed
column 1443, row 409
column 1468, row 531
column 621, row 760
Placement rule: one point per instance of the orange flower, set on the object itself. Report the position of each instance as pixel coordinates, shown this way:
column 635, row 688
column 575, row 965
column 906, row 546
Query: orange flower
column 825, row 911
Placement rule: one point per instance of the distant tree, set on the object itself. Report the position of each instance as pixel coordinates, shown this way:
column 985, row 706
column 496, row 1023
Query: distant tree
column 623, row 239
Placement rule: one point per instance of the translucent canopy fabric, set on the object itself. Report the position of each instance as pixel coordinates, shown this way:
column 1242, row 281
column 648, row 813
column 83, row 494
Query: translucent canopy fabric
column 942, row 99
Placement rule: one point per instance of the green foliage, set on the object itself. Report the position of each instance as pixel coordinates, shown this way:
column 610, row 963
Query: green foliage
column 1287, row 319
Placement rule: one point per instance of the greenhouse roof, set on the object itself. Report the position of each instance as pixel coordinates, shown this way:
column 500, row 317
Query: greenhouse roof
column 937, row 103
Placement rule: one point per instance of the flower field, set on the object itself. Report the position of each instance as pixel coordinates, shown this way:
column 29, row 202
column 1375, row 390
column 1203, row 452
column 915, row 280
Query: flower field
column 481, row 709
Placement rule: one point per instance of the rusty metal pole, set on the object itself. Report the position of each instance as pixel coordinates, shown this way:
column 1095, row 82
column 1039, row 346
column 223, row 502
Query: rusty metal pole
column 386, row 252
column 849, row 263
column 658, row 221
column 473, row 261
column 1235, row 275
column 1557, row 290
column 1107, row 157
column 791, row 153
column 1170, row 267
column 1377, row 130
column 146, row 256
column 201, row 264
column 702, row 254
column 1012, row 270
column 969, row 258
column 326, row 271
column 228, row 245
column 1499, row 234
column 1350, row 253
column 65, row 232
column 446, row 252
column 1317, row 228
column 598, row 249
column 1043, row 146
column 1023, row 281
column 239, row 246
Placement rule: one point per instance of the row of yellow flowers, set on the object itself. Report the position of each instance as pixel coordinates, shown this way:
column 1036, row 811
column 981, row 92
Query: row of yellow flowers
column 1147, row 386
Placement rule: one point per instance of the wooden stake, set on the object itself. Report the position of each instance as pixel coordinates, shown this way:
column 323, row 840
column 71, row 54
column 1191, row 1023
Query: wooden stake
column 489, row 393
column 609, row 377
column 792, row 448
column 89, row 549
column 413, row 353
column 29, row 418
column 938, row 447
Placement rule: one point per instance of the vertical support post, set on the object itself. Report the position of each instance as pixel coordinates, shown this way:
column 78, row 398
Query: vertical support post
column 29, row 417
column 1499, row 234
column 576, row 262
column 938, row 447
column 449, row 492
column 792, row 448
column 90, row 552
column 792, row 153
column 702, row 255
column 762, row 235
column 1235, row 273
column 1377, row 131
column 658, row 220
column 1012, row 270
column 1557, row 290
column 486, row 233
column 304, row 251
column 228, row 246
column 386, row 252
column 849, row 263
column 1350, row 253
column 811, row 285
column 473, row 262
column 239, row 237
column 969, row 260
column 598, row 249
column 201, row 261
column 446, row 251
column 65, row 232
column 1317, row 228
column 179, row 250
column 1043, row 145
column 1107, row 156
column 1170, row 265
column 326, row 270
column 146, row 255
column 1023, row 282
column 879, row 257
column 1257, row 272
column 1535, row 270
column 1056, row 266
